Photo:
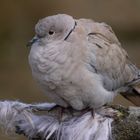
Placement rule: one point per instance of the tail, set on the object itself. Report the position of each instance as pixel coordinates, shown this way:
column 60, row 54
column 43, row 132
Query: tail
column 133, row 94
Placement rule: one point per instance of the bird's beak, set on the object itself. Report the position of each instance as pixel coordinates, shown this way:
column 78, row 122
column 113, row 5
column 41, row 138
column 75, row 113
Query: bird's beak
column 31, row 42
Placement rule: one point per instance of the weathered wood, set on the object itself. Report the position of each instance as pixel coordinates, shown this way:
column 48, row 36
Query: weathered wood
column 44, row 121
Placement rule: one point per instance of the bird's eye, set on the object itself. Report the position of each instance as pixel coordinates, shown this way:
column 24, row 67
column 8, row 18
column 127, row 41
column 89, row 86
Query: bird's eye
column 51, row 32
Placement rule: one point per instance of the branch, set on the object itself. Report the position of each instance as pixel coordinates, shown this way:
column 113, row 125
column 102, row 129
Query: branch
column 45, row 121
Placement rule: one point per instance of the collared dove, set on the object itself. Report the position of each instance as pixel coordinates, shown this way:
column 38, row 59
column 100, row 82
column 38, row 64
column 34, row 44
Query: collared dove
column 80, row 63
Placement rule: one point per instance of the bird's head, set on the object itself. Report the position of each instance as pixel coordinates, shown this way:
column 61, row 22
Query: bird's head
column 53, row 28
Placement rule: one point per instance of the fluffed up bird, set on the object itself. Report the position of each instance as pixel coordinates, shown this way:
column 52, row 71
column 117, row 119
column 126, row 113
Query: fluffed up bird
column 80, row 63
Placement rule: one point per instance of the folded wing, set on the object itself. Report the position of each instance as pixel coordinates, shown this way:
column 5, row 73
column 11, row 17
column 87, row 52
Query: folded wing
column 109, row 59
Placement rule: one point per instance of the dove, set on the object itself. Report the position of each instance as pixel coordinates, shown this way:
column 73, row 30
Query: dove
column 80, row 63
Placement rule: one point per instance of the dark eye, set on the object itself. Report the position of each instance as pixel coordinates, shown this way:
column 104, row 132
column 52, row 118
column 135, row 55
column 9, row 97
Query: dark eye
column 51, row 32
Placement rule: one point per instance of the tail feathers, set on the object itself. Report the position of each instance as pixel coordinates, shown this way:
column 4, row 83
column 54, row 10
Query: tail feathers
column 133, row 95
column 132, row 91
column 134, row 82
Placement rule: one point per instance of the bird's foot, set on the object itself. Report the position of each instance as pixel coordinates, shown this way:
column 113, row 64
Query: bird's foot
column 107, row 112
column 60, row 111
column 86, row 110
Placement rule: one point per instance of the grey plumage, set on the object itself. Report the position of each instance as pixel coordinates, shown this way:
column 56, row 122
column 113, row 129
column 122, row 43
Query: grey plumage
column 79, row 63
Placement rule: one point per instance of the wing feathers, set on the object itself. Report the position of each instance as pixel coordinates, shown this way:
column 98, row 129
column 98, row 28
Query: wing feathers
column 112, row 61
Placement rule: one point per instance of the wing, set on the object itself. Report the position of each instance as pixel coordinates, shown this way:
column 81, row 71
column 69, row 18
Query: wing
column 107, row 56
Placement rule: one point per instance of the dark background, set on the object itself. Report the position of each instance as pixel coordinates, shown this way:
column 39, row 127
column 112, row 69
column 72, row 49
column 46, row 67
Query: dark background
column 17, row 21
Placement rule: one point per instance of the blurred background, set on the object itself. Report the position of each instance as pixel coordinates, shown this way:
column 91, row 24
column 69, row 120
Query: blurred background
column 17, row 21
